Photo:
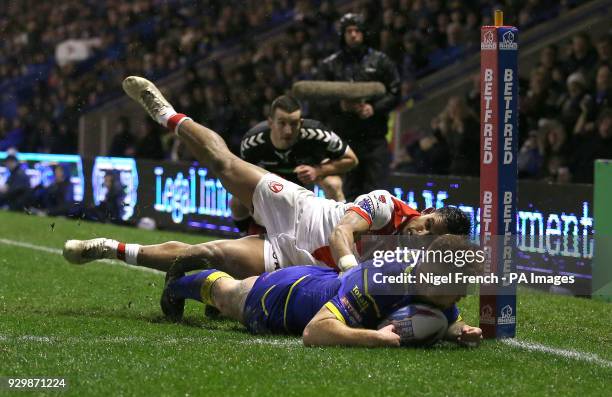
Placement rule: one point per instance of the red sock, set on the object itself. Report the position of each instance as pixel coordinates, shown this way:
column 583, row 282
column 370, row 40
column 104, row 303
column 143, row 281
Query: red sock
column 175, row 121
column 128, row 253
column 121, row 252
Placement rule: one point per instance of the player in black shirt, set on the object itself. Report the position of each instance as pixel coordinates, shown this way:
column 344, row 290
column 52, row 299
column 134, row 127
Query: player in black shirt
column 303, row 151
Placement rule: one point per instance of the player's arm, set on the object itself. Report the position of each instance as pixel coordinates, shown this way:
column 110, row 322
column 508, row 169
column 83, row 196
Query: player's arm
column 339, row 166
column 311, row 174
column 463, row 334
column 343, row 237
column 371, row 211
column 326, row 329
column 341, row 158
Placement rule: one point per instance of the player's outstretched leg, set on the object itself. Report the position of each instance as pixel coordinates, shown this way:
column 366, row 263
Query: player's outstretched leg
column 237, row 176
column 241, row 258
column 212, row 287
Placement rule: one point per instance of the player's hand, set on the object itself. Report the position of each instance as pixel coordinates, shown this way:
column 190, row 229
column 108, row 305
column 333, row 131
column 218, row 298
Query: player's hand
column 307, row 174
column 388, row 337
column 350, row 106
column 470, row 336
column 365, row 111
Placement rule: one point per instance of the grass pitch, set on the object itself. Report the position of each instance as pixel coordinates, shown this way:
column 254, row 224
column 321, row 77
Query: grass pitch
column 100, row 327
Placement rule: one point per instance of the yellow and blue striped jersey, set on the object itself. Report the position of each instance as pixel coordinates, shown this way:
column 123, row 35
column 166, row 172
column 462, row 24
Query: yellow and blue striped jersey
column 286, row 300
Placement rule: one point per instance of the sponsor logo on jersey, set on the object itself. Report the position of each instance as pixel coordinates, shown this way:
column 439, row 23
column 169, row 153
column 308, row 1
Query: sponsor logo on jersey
column 359, row 298
column 367, row 205
column 354, row 313
column 276, row 187
column 382, row 199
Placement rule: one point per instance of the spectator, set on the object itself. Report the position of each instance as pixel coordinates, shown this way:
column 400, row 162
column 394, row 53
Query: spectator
column 362, row 125
column 413, row 59
column 59, row 196
column 150, row 145
column 389, row 45
column 471, row 30
column 16, row 191
column 429, row 155
column 46, row 139
column 327, row 12
column 603, row 88
column 111, row 208
column 461, row 130
column 123, row 144
column 539, row 101
column 553, row 148
column 472, row 98
column 604, row 50
column 454, row 38
column 550, row 66
column 574, row 102
column 529, row 157
column 582, row 57
column 12, row 135
column 592, row 145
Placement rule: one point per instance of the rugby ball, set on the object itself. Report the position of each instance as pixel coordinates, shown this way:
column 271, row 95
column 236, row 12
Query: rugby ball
column 417, row 324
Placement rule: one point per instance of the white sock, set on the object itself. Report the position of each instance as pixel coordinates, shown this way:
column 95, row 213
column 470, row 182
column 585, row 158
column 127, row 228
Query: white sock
column 131, row 253
column 125, row 252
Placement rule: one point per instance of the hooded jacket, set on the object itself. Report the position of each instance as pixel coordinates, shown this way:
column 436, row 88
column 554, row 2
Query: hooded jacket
column 360, row 64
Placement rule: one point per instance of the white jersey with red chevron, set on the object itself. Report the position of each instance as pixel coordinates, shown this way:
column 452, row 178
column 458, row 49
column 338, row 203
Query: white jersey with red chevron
column 299, row 224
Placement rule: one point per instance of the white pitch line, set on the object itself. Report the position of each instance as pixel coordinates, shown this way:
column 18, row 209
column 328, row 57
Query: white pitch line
column 273, row 342
column 31, row 246
column 571, row 354
column 57, row 251
column 51, row 340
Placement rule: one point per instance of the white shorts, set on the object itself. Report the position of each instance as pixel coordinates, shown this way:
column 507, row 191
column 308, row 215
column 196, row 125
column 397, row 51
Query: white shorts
column 278, row 205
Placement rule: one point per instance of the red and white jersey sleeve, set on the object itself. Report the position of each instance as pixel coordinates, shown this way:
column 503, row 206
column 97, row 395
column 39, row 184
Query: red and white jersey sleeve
column 382, row 210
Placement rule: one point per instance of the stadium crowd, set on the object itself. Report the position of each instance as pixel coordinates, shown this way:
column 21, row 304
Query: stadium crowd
column 59, row 59
column 72, row 57
column 565, row 118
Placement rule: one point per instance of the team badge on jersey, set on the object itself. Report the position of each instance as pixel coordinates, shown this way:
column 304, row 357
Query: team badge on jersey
column 276, row 187
column 367, row 205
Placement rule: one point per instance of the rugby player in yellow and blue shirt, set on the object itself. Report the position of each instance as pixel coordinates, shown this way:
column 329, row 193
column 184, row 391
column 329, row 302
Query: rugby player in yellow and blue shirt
column 326, row 309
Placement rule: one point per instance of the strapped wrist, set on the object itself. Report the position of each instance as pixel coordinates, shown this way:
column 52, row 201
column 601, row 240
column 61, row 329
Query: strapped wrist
column 347, row 262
